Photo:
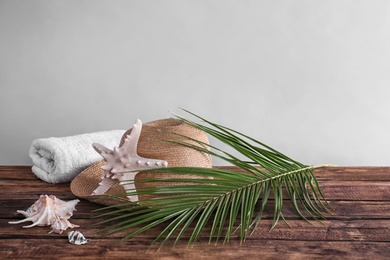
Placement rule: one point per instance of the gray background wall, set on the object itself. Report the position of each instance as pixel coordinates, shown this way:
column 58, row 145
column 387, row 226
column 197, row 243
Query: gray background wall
column 310, row 78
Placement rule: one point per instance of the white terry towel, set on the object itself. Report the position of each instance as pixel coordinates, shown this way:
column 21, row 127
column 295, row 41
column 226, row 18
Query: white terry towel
column 60, row 159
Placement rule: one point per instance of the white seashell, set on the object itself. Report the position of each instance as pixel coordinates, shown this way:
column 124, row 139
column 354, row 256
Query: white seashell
column 49, row 210
column 77, row 238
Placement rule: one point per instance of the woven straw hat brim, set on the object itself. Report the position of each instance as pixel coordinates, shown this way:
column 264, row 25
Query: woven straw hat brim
column 150, row 145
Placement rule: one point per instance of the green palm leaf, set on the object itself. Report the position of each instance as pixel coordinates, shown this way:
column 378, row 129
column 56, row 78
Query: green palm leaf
column 223, row 200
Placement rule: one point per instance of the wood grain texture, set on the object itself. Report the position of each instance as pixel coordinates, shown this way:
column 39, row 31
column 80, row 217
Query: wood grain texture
column 359, row 228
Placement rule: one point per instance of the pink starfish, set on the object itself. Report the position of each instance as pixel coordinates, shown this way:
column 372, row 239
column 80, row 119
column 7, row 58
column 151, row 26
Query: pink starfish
column 124, row 162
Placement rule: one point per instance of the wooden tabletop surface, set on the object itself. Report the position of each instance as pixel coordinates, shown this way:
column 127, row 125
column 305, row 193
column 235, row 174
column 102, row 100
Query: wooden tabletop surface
column 359, row 228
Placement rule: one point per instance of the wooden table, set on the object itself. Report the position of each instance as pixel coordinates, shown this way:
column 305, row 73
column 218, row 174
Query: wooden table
column 358, row 229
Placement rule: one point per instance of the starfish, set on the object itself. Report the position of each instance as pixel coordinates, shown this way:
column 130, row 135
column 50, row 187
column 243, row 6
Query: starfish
column 124, row 163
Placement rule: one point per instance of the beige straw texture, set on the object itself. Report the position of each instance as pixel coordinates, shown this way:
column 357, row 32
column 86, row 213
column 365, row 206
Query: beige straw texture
column 150, row 145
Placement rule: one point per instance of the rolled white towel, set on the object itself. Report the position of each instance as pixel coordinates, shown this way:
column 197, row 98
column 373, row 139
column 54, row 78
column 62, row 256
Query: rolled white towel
column 60, row 159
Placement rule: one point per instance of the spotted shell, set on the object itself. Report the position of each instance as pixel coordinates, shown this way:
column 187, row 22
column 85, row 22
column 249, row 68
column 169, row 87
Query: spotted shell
column 77, row 238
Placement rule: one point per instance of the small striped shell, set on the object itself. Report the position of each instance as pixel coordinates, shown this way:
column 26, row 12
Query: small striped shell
column 77, row 238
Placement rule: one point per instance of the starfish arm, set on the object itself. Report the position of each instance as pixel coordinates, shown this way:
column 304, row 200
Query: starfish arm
column 147, row 163
column 101, row 149
column 127, row 181
column 104, row 185
column 131, row 141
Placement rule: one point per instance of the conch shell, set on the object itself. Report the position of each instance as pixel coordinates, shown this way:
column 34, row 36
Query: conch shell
column 49, row 210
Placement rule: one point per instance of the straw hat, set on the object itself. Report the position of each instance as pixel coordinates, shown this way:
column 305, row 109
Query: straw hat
column 151, row 144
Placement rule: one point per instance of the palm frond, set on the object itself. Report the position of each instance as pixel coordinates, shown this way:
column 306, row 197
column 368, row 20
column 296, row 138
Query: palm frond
column 221, row 199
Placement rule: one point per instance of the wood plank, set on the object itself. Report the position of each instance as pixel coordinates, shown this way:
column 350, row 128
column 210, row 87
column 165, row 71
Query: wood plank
column 349, row 173
column 17, row 173
column 374, row 190
column 333, row 190
column 25, row 187
column 342, row 209
column 252, row 249
column 356, row 190
column 353, row 173
column 334, row 230
column 326, row 173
